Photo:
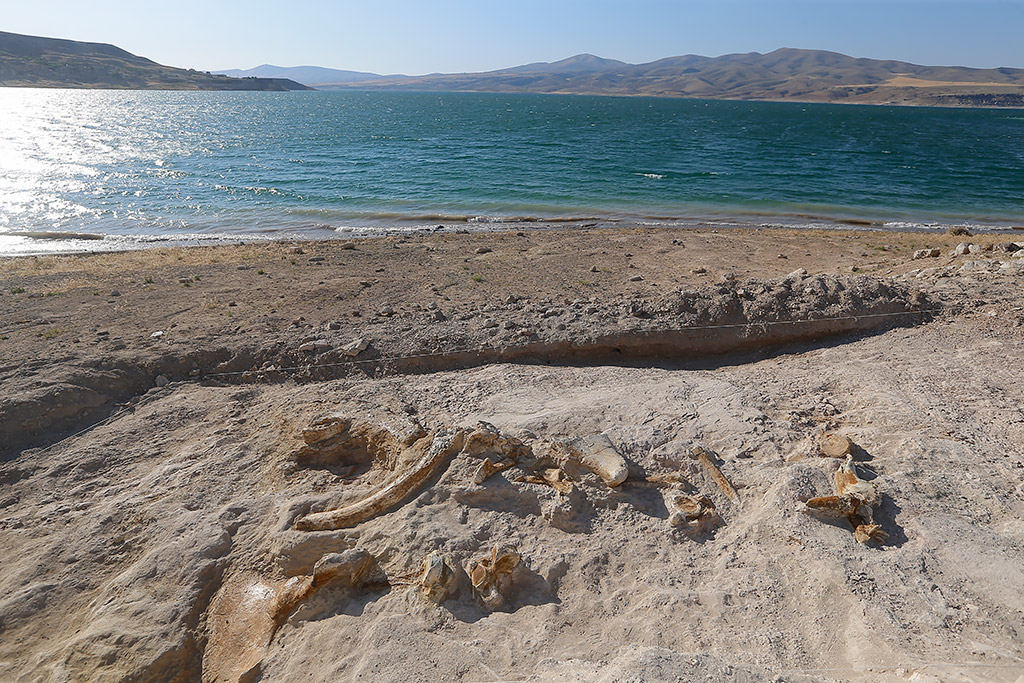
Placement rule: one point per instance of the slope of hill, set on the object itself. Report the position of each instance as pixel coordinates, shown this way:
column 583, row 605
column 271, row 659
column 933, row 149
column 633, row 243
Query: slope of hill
column 785, row 74
column 307, row 75
column 31, row 61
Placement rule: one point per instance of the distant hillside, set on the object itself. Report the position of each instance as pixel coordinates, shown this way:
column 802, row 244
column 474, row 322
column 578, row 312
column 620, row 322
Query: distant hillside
column 30, row 61
column 785, row 74
column 307, row 75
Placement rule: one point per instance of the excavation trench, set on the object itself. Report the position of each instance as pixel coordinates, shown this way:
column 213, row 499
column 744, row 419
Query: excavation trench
column 701, row 325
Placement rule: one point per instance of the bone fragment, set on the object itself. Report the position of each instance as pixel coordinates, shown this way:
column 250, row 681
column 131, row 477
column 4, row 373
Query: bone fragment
column 489, row 468
column 553, row 477
column 490, row 575
column 715, row 473
column 695, row 513
column 834, row 446
column 428, row 455
column 436, row 581
column 855, row 500
column 325, row 428
column 600, row 457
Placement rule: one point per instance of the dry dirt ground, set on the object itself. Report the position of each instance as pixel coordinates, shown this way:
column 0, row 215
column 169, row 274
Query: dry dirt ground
column 156, row 477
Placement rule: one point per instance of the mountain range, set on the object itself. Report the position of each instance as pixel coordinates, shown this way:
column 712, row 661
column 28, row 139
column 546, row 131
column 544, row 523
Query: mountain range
column 785, row 74
column 32, row 61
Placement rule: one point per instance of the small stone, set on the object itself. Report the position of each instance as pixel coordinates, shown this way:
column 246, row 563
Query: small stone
column 296, row 250
column 927, row 253
column 315, row 259
column 184, row 280
column 798, row 274
column 437, row 315
column 386, row 311
column 349, row 245
column 636, row 278
column 782, row 256
column 482, row 250
column 699, row 270
column 157, row 334
column 365, row 283
column 115, row 293
column 232, row 303
column 243, row 267
column 334, row 325
column 595, row 269
column 978, row 248
column 526, row 333
column 354, row 347
column 161, row 381
column 194, row 372
column 961, row 249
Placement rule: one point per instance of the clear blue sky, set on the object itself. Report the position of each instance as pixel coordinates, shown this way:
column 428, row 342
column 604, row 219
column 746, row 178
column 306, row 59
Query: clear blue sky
column 424, row 36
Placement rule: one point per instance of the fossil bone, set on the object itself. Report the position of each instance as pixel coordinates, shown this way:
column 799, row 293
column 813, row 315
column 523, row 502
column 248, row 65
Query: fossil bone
column 426, row 456
column 553, row 477
column 599, row 456
column 855, row 500
column 696, row 513
column 488, row 469
column 248, row 610
column 705, row 460
column 834, row 446
column 437, row 579
column 490, row 575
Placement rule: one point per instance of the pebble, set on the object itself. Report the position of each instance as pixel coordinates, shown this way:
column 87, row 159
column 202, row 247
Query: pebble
column 115, row 293
column 699, row 270
column 296, row 250
column 348, row 245
column 161, row 381
column 961, row 249
column 797, row 274
column 243, row 267
column 927, row 253
column 334, row 325
column 595, row 269
column 157, row 334
column 636, row 278
column 482, row 250
column 315, row 259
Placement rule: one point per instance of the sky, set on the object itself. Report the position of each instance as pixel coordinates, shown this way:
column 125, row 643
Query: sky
column 425, row 36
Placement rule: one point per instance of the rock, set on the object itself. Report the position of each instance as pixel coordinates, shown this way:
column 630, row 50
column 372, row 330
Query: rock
column 927, row 253
column 798, row 274
column 348, row 245
column 1007, row 247
column 834, row 446
column 482, row 250
column 979, row 248
column 386, row 312
column 161, row 381
column 296, row 250
column 114, row 292
column 157, row 334
column 316, row 346
column 354, row 347
column 699, row 270
column 782, row 256
column 636, row 278
column 960, row 249
column 315, row 259
column 595, row 269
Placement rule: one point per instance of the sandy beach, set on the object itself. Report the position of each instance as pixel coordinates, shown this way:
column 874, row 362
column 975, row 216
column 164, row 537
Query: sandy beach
column 477, row 457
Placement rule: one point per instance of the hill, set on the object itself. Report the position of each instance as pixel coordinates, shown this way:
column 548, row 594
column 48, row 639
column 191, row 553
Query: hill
column 785, row 74
column 31, row 61
column 307, row 75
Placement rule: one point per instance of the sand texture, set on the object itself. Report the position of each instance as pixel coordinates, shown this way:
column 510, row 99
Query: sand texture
column 401, row 460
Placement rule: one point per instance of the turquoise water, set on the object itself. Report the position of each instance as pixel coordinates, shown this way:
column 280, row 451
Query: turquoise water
column 140, row 167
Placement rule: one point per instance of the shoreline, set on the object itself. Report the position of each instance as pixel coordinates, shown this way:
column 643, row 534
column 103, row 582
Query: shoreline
column 55, row 242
